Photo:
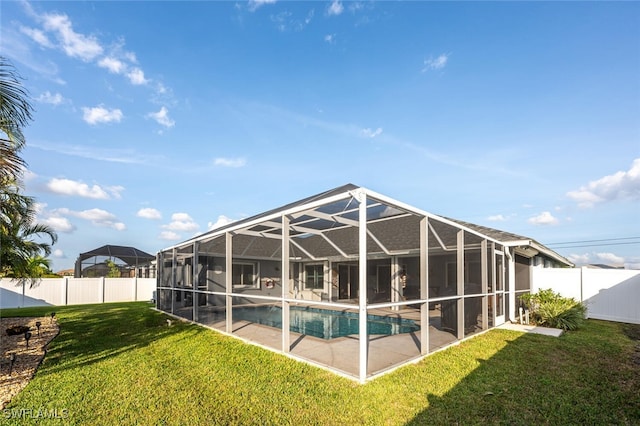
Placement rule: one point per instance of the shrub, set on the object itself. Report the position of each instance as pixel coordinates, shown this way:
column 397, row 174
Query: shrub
column 551, row 309
column 16, row 330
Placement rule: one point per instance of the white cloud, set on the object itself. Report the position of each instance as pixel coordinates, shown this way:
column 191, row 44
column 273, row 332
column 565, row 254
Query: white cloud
column 149, row 213
column 114, row 191
column 618, row 186
column 169, row 235
column 544, row 218
column 39, row 207
column 114, row 65
column 330, row 38
column 368, row 133
column 181, row 222
column 101, row 114
column 335, row 8
column 161, row 89
column 97, row 217
column 309, row 17
column 28, row 175
column 255, row 4
column 356, row 6
column 59, row 224
column 136, row 76
column 59, row 254
column 119, row 226
column 610, row 259
column 162, row 117
column 53, row 219
column 435, row 63
column 130, row 56
column 114, row 155
column 222, row 221
column 57, row 32
column 632, row 263
column 38, row 36
column 94, row 215
column 73, row 44
column 497, row 218
column 48, row 98
column 287, row 21
column 229, row 162
column 76, row 188
column 580, row 259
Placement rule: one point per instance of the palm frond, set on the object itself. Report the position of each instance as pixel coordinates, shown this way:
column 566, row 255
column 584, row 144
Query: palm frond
column 15, row 109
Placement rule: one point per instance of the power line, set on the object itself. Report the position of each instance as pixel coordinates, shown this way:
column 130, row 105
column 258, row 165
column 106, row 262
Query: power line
column 597, row 245
column 596, row 241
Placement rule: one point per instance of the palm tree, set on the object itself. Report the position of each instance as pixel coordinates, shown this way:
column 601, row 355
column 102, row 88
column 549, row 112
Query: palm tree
column 39, row 267
column 19, row 237
column 18, row 230
column 15, row 113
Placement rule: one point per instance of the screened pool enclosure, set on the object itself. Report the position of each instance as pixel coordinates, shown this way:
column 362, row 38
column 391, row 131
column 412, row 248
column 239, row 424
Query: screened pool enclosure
column 349, row 280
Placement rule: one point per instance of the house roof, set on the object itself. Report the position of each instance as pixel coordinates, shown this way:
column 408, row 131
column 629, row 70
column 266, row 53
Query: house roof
column 325, row 225
column 515, row 240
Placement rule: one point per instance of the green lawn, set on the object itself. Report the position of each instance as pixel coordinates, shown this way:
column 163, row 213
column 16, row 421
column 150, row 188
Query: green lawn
column 122, row 364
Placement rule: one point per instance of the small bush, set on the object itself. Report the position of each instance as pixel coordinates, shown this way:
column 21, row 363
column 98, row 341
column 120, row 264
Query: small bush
column 550, row 309
column 16, row 330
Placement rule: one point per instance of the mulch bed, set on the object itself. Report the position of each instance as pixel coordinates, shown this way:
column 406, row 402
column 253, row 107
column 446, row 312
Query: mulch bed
column 28, row 359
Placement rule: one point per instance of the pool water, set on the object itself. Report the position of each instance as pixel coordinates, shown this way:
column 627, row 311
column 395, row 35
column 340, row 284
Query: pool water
column 324, row 323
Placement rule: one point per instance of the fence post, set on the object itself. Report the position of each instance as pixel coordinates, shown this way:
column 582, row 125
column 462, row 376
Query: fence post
column 135, row 288
column 581, row 284
column 23, row 291
column 102, row 285
column 65, row 291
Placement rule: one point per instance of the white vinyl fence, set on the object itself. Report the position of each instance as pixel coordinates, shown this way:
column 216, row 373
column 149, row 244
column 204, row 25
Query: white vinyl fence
column 610, row 294
column 75, row 291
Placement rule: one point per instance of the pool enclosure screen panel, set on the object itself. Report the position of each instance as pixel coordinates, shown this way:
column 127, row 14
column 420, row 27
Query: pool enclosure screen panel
column 305, row 280
column 472, row 264
column 473, row 315
column 443, row 324
column 258, row 320
column 164, row 300
column 211, row 310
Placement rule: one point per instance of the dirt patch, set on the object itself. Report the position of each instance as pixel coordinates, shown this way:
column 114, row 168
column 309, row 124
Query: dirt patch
column 632, row 331
column 14, row 376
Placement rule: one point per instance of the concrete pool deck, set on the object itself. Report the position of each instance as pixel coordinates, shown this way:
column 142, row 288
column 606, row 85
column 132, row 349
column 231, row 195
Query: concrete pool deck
column 385, row 352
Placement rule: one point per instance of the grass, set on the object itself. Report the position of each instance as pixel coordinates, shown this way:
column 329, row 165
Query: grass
column 122, row 364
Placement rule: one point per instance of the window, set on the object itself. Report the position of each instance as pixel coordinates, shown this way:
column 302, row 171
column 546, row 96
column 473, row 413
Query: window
column 314, row 277
column 243, row 275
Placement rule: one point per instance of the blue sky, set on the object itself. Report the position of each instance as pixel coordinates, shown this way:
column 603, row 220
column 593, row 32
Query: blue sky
column 157, row 120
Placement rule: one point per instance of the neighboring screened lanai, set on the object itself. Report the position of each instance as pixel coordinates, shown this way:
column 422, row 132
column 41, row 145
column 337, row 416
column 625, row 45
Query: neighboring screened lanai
column 349, row 280
column 129, row 260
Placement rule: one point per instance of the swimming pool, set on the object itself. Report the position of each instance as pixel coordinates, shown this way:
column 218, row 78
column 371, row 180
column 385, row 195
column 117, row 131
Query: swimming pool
column 323, row 323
